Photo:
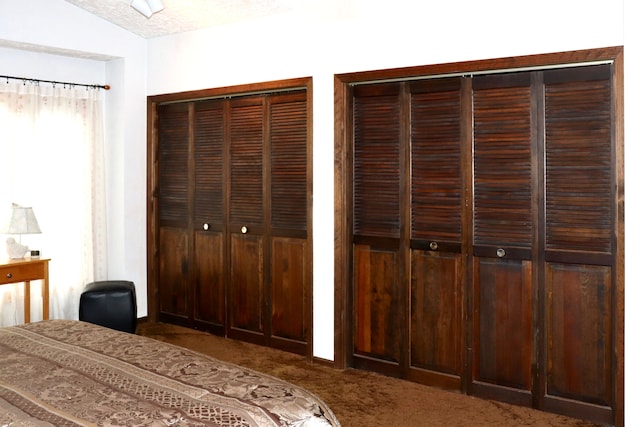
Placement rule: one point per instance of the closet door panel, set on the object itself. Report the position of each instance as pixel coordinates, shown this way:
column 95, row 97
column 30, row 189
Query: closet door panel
column 289, row 300
column 208, row 302
column 173, row 270
column 436, row 305
column 208, row 216
column 503, row 331
column 246, row 197
column 503, row 237
column 379, row 293
column 246, row 291
column 290, row 279
column 246, row 220
column 580, row 348
column 173, row 213
column 377, row 161
column 436, row 318
column 580, row 241
column 378, row 322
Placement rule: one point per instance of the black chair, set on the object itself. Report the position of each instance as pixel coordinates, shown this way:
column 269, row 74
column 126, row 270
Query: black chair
column 110, row 303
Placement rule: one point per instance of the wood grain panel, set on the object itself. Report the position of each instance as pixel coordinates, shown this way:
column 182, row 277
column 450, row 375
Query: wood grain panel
column 436, row 181
column 579, row 172
column 378, row 301
column 436, row 312
column 246, row 284
column 579, row 332
column 289, row 298
column 288, row 129
column 209, row 168
column 502, row 160
column 209, row 285
column 246, row 160
column 503, row 332
column 376, row 179
column 173, row 164
column 173, row 271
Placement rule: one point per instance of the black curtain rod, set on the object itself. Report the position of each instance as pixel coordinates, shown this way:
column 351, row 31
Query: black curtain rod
column 53, row 82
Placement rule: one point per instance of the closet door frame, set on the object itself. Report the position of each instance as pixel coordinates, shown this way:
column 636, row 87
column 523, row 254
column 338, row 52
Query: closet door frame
column 343, row 201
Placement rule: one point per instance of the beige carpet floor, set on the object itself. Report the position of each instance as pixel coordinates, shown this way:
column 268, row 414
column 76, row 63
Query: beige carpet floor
column 358, row 398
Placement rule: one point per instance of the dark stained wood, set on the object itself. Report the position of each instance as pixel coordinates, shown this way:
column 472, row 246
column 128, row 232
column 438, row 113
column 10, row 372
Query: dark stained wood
column 521, row 186
column 377, row 299
column 503, row 338
column 436, row 318
column 579, row 333
column 436, row 175
column 502, row 167
column 173, row 269
column 209, row 283
column 578, row 123
column 221, row 160
column 376, row 176
column 246, row 287
column 289, row 299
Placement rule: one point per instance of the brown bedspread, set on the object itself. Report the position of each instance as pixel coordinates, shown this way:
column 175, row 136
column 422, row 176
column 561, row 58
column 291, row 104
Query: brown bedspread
column 70, row 373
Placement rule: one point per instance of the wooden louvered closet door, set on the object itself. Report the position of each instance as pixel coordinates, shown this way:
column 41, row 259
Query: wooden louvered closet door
column 408, row 230
column 484, row 235
column 578, row 270
column 436, row 336
column 174, row 302
column 233, row 185
column 503, row 237
column 379, row 288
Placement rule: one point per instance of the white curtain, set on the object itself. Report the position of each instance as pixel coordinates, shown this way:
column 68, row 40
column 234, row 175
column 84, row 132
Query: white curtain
column 52, row 159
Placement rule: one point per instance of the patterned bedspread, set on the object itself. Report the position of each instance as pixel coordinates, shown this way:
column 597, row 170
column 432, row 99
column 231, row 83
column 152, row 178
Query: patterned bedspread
column 71, row 373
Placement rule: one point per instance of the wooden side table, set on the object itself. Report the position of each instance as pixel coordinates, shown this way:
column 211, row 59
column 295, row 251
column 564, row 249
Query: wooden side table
column 25, row 270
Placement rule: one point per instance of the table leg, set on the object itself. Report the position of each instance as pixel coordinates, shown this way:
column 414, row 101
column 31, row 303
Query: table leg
column 27, row 301
column 45, row 295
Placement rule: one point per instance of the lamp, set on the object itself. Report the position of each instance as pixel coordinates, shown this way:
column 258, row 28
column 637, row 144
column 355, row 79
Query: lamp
column 21, row 221
column 147, row 7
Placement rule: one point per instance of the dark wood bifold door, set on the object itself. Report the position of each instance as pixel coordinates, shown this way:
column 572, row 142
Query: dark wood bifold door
column 484, row 235
column 233, row 236
column 408, row 230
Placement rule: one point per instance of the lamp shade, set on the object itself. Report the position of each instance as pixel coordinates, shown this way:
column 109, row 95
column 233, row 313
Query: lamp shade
column 21, row 221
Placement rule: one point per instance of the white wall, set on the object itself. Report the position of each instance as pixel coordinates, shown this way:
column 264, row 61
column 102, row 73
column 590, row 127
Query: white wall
column 88, row 49
column 330, row 37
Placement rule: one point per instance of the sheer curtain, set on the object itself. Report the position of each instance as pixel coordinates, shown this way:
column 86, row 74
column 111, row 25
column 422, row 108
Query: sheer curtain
column 52, row 159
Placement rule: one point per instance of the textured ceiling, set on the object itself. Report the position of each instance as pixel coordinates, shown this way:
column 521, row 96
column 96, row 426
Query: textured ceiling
column 185, row 15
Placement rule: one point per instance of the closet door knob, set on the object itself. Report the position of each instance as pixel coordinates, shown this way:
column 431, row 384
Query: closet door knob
column 205, row 227
column 433, row 246
column 500, row 252
column 244, row 229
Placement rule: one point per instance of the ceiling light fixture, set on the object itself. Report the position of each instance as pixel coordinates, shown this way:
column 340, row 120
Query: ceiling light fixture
column 147, row 7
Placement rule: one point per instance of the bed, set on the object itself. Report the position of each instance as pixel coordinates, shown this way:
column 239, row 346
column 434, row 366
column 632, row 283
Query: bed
column 71, row 373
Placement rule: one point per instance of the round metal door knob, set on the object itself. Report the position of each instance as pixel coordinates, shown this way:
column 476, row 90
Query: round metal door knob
column 244, row 229
column 500, row 252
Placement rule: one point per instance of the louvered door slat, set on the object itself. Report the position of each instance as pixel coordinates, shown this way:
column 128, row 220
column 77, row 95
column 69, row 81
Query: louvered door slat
column 208, row 146
column 246, row 162
column 436, row 183
column 376, row 178
column 579, row 206
column 289, row 162
column 173, row 158
column 502, row 161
